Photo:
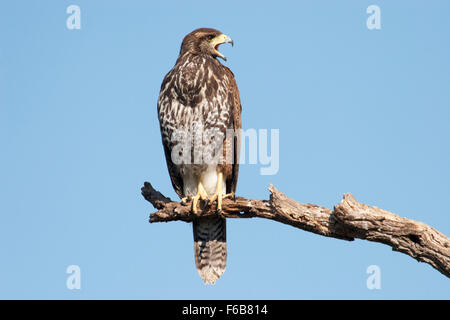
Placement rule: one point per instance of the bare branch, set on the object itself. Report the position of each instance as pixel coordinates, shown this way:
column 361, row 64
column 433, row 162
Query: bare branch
column 348, row 220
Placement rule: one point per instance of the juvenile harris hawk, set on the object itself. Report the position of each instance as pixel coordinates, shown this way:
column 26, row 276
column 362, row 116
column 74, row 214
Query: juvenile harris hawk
column 198, row 106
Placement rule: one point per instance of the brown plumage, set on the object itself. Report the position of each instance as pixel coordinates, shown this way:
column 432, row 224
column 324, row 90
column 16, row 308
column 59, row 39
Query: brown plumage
column 198, row 104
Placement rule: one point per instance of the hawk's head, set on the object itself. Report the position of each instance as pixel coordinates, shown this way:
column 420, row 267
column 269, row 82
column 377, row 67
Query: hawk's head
column 205, row 41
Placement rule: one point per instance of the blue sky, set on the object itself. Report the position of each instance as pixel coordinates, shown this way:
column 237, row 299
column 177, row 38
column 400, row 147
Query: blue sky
column 360, row 111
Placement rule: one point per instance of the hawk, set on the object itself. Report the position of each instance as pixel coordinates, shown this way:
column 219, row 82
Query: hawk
column 198, row 107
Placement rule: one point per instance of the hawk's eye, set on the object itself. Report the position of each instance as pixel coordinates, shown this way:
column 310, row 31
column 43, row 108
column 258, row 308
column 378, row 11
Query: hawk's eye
column 210, row 37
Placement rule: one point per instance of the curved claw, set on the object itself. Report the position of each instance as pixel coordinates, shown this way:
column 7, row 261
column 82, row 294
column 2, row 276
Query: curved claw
column 220, row 213
column 231, row 195
column 184, row 200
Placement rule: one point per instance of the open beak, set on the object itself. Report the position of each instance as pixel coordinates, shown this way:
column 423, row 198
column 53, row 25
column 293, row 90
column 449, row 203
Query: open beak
column 217, row 41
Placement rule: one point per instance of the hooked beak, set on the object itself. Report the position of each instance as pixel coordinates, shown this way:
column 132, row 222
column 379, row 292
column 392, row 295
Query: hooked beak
column 217, row 41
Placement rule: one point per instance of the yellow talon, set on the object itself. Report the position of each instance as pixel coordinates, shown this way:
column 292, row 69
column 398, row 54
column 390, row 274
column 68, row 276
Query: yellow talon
column 228, row 196
column 184, row 200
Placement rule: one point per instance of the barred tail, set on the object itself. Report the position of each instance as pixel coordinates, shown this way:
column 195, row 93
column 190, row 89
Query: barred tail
column 210, row 247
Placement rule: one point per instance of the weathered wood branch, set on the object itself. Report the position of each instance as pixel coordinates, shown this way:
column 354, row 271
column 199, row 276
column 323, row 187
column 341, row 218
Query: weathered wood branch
column 348, row 220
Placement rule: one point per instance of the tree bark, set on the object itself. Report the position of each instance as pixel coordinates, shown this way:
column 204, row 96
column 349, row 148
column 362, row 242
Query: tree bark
column 348, row 220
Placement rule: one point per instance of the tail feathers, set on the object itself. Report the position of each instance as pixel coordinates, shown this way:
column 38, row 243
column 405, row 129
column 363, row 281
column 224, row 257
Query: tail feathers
column 210, row 247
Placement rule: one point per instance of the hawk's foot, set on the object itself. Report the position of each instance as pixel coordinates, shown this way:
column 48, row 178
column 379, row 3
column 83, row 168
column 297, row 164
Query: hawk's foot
column 219, row 195
column 185, row 200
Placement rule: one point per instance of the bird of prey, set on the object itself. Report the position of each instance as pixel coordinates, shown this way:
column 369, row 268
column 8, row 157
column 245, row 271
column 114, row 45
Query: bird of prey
column 198, row 107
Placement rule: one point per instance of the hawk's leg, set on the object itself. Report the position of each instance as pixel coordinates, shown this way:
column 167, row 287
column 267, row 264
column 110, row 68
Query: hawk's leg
column 219, row 195
column 201, row 194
